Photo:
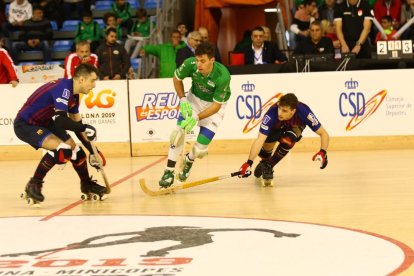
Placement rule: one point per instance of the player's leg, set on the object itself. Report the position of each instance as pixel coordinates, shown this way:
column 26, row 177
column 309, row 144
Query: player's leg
column 264, row 154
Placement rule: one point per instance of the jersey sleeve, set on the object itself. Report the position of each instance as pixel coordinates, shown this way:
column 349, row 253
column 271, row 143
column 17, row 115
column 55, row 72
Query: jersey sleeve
column 309, row 118
column 61, row 95
column 269, row 119
column 186, row 69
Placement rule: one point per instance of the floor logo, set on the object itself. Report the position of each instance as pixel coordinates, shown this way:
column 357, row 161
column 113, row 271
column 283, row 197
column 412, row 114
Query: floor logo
column 171, row 245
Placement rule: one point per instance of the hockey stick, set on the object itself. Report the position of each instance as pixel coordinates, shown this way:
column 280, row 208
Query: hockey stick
column 101, row 169
column 183, row 186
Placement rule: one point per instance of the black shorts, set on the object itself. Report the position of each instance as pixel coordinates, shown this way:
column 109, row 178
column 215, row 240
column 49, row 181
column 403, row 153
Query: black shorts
column 35, row 135
column 275, row 134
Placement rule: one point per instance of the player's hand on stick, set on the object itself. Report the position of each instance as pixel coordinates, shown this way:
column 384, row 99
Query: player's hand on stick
column 189, row 123
column 322, row 157
column 185, row 108
column 245, row 169
column 94, row 162
column 90, row 132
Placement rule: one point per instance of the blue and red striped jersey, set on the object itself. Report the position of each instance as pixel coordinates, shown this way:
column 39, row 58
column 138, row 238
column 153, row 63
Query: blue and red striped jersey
column 41, row 106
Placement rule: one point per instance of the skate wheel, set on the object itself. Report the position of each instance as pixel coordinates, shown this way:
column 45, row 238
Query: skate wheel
column 23, row 195
column 84, row 197
column 95, row 197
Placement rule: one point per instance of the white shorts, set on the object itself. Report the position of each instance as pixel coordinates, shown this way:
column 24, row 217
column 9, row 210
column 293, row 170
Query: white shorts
column 198, row 105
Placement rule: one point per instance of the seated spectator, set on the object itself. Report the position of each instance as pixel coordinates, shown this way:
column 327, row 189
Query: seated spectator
column 407, row 12
column 114, row 62
column 52, row 10
column 246, row 40
column 7, row 68
column 36, row 33
column 193, row 40
column 386, row 24
column 110, row 21
column 123, row 12
column 205, row 38
column 19, row 12
column 326, row 11
column 302, row 19
column 88, row 30
column 69, row 6
column 260, row 51
column 140, row 30
column 267, row 34
column 316, row 43
column 182, row 28
column 166, row 54
column 83, row 55
column 328, row 30
column 388, row 7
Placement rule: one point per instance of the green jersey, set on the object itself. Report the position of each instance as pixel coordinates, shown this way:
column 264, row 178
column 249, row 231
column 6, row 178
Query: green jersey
column 214, row 87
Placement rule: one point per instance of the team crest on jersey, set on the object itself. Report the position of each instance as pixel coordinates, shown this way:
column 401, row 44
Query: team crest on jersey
column 359, row 12
column 66, row 94
column 39, row 131
column 209, row 82
column 266, row 119
column 313, row 119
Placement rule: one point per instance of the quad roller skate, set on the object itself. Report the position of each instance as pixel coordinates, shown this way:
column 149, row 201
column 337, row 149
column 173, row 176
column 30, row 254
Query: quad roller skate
column 33, row 192
column 91, row 190
column 258, row 170
column 185, row 172
column 267, row 174
column 167, row 178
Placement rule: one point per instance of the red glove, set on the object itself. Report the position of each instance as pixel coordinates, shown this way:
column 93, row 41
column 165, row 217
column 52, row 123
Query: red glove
column 322, row 157
column 245, row 169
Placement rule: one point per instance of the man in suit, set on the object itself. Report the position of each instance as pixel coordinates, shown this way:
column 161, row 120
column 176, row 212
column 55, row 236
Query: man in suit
column 260, row 51
column 193, row 40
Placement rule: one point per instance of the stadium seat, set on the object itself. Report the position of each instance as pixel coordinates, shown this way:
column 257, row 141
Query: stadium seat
column 135, row 62
column 134, row 4
column 70, row 25
column 103, row 5
column 55, row 62
column 54, row 25
column 62, row 45
column 152, row 4
column 236, row 58
column 100, row 22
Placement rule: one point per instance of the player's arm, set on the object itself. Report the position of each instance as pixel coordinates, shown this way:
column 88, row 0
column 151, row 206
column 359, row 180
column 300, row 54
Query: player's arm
column 179, row 87
column 322, row 155
column 245, row 169
column 324, row 137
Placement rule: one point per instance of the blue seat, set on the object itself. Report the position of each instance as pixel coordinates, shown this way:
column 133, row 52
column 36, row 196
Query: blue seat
column 70, row 25
column 55, row 62
column 100, row 22
column 62, row 45
column 54, row 25
column 26, row 63
column 152, row 4
column 103, row 5
column 134, row 4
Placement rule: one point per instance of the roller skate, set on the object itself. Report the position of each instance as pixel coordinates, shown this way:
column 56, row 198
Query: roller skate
column 167, row 178
column 33, row 192
column 258, row 170
column 91, row 190
column 185, row 172
column 267, row 174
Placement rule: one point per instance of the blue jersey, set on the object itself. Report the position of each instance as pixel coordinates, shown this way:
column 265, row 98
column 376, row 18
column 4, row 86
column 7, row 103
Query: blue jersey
column 303, row 117
column 41, row 106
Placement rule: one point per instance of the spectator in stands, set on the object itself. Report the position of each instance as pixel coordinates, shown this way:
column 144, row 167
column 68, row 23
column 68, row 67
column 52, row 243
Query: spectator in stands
column 3, row 18
column 114, row 62
column 69, row 6
column 88, row 30
column 326, row 11
column 140, row 30
column 316, row 43
column 260, row 51
column 388, row 7
column 267, row 34
column 328, row 30
column 302, row 19
column 386, row 24
column 407, row 12
column 36, row 33
column 110, row 21
column 182, row 28
column 83, row 55
column 205, row 38
column 51, row 9
column 246, row 40
column 193, row 40
column 166, row 54
column 19, row 12
column 7, row 68
column 353, row 19
column 123, row 12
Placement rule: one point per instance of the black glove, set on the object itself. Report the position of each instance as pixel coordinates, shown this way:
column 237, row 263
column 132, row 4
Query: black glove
column 322, row 157
column 90, row 132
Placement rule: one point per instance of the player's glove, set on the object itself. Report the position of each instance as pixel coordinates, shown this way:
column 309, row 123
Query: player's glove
column 245, row 169
column 185, row 108
column 94, row 162
column 90, row 132
column 322, row 157
column 189, row 123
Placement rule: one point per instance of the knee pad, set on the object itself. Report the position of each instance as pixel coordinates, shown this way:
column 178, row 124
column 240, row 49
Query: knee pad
column 199, row 150
column 264, row 154
column 177, row 137
column 78, row 156
column 288, row 139
column 62, row 154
